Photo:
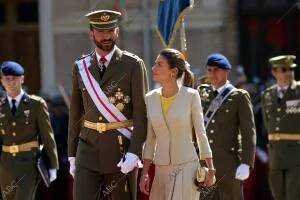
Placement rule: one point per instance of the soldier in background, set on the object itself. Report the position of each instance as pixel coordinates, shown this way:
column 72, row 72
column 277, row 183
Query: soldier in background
column 230, row 128
column 281, row 114
column 24, row 126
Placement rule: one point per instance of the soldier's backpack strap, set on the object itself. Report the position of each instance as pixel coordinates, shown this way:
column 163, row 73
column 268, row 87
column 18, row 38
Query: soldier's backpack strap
column 216, row 103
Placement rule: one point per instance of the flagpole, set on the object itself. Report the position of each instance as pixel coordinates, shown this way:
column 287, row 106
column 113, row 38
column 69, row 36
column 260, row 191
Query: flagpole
column 183, row 43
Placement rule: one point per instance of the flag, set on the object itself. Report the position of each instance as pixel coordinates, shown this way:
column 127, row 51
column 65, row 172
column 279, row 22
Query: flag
column 169, row 15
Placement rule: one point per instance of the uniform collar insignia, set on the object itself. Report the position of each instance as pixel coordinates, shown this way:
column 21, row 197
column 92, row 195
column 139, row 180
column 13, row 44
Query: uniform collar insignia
column 3, row 100
column 25, row 98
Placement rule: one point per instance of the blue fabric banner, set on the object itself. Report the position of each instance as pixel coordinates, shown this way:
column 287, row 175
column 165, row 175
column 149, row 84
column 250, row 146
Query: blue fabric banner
column 169, row 15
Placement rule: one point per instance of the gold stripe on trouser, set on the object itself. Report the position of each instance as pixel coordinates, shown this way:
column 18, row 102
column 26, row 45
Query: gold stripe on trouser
column 20, row 148
column 102, row 127
column 283, row 136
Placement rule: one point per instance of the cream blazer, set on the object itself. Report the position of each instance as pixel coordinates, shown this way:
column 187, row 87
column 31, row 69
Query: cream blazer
column 170, row 139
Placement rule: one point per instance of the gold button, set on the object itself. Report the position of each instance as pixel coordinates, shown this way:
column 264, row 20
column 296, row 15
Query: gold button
column 14, row 123
column 211, row 141
column 212, row 131
column 232, row 149
column 13, row 154
column 278, row 109
column 227, row 111
column 277, row 128
column 278, row 119
column 213, row 121
column 14, row 134
column 100, row 118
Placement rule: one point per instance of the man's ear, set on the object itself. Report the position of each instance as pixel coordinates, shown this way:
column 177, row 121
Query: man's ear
column 22, row 79
column 91, row 34
column 273, row 72
column 117, row 31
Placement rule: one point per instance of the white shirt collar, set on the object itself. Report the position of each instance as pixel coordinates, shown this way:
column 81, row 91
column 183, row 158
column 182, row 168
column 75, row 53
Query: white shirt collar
column 279, row 89
column 107, row 57
column 220, row 89
column 17, row 98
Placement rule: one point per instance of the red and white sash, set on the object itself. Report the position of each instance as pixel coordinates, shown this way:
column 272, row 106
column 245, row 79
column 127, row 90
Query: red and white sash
column 107, row 109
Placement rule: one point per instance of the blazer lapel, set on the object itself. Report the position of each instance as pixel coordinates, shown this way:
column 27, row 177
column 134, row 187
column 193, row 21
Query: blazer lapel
column 94, row 70
column 274, row 96
column 289, row 92
column 159, row 115
column 113, row 65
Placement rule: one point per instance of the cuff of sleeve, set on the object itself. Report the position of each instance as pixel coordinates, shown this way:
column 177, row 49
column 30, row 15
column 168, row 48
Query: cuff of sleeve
column 248, row 162
column 72, row 160
column 203, row 156
column 52, row 171
column 148, row 152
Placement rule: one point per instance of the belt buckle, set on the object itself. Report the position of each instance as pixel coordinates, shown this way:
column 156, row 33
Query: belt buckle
column 13, row 149
column 101, row 127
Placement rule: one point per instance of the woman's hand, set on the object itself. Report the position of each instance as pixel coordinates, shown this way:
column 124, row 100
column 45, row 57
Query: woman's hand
column 145, row 184
column 210, row 178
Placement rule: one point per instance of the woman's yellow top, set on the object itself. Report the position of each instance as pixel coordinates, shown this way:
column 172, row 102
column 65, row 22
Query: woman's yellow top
column 166, row 103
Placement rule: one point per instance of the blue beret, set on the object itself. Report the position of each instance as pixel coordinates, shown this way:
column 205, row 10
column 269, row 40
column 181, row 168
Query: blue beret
column 10, row 68
column 218, row 60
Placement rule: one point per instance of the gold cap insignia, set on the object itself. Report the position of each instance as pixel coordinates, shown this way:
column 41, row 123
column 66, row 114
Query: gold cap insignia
column 105, row 17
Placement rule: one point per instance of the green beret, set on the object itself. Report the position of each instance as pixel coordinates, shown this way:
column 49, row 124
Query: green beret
column 283, row 61
column 104, row 19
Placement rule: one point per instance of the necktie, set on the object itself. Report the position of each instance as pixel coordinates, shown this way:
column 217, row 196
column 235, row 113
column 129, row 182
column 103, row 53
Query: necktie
column 14, row 107
column 281, row 93
column 102, row 66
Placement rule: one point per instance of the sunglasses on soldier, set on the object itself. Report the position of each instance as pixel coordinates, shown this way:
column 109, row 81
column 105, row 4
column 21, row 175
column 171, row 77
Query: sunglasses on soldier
column 284, row 69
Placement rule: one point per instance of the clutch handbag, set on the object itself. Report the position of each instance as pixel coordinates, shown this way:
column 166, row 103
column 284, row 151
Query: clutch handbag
column 201, row 174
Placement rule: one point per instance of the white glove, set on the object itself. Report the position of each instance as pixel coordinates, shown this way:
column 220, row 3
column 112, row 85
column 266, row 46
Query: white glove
column 242, row 172
column 72, row 166
column 131, row 161
column 53, row 174
column 262, row 155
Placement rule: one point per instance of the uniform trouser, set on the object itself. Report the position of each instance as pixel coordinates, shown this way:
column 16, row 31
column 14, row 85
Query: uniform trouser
column 18, row 178
column 285, row 183
column 228, row 188
column 93, row 185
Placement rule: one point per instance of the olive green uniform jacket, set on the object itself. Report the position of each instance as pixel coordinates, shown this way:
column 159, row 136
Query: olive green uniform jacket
column 283, row 154
column 232, row 137
column 126, row 73
column 31, row 122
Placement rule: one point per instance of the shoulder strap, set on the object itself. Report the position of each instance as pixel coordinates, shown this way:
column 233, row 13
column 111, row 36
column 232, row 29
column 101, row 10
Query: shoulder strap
column 216, row 103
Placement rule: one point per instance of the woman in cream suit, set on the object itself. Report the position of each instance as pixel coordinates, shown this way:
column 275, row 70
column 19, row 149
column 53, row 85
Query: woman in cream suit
column 173, row 112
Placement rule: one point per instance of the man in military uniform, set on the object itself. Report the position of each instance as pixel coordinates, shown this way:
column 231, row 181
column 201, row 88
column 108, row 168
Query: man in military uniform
column 24, row 125
column 107, row 125
column 281, row 114
column 230, row 128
